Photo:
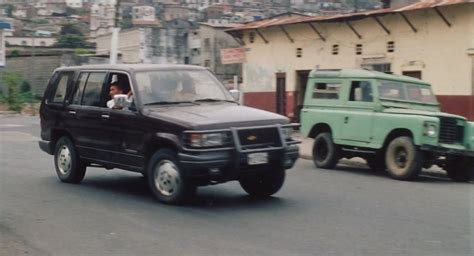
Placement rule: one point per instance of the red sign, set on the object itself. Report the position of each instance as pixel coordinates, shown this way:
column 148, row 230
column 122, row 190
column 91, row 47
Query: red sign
column 232, row 55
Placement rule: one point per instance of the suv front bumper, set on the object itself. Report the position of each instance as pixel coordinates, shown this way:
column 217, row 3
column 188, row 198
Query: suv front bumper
column 231, row 164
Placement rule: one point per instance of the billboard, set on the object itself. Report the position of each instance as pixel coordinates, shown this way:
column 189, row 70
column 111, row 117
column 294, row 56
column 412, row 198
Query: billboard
column 232, row 55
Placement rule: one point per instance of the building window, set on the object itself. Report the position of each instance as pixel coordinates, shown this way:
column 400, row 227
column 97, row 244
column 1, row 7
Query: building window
column 391, row 46
column 207, row 63
column 382, row 67
column 358, row 49
column 23, row 42
column 207, row 44
column 252, row 37
column 43, row 43
column 299, row 52
column 335, row 49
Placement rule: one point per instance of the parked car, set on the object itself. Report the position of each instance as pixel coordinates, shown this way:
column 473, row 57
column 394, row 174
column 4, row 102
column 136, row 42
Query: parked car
column 178, row 126
column 392, row 121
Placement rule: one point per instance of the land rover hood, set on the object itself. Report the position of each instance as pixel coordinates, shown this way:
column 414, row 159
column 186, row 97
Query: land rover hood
column 420, row 113
column 215, row 116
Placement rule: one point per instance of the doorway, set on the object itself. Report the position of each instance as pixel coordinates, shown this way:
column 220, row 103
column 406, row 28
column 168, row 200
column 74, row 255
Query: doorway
column 281, row 93
column 301, row 81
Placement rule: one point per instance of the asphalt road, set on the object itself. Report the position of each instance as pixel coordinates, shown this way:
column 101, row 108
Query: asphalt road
column 348, row 211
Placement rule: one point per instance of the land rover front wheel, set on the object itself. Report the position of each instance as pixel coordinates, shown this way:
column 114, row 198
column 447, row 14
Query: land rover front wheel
column 69, row 167
column 460, row 170
column 166, row 179
column 403, row 159
column 265, row 184
column 326, row 154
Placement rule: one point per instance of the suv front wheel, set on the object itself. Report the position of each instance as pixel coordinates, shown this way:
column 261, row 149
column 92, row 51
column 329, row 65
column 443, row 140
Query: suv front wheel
column 69, row 167
column 326, row 154
column 403, row 159
column 166, row 179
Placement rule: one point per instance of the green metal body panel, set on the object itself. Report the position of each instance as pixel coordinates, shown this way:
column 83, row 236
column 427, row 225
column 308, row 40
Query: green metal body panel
column 368, row 124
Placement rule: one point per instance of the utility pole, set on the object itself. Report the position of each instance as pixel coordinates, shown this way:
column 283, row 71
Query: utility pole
column 115, row 35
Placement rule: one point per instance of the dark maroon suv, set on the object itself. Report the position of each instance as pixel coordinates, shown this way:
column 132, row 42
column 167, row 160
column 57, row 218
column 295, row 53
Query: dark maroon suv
column 175, row 124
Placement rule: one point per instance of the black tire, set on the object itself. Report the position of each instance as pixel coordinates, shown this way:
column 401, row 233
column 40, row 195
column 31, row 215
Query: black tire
column 326, row 154
column 403, row 159
column 376, row 163
column 69, row 167
column 265, row 184
column 460, row 170
column 166, row 178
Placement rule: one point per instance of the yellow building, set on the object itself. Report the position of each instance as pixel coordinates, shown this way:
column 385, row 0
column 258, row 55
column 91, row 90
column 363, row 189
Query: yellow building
column 432, row 40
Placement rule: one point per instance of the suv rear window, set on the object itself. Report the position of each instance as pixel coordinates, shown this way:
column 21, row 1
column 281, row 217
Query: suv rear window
column 60, row 87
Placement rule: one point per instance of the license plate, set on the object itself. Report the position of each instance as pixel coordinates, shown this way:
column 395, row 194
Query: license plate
column 257, row 158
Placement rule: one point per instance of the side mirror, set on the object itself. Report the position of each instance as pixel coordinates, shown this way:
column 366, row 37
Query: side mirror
column 122, row 101
column 235, row 94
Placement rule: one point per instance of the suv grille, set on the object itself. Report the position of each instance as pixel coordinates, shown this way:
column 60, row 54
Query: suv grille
column 450, row 132
column 259, row 138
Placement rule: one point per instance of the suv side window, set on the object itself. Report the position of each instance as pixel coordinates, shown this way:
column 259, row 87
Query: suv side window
column 93, row 89
column 328, row 91
column 60, row 87
column 361, row 91
column 81, row 83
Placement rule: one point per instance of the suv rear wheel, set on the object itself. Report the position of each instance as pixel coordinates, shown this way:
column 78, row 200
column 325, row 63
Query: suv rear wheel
column 69, row 167
column 265, row 184
column 460, row 170
column 166, row 179
column 326, row 154
column 403, row 159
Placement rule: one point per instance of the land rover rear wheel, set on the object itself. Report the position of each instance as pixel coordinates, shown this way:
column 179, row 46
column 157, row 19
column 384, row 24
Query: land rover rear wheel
column 460, row 170
column 69, row 167
column 326, row 154
column 265, row 184
column 403, row 159
column 166, row 179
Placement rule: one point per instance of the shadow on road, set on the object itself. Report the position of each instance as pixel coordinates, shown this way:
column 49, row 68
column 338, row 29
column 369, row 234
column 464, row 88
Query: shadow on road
column 207, row 197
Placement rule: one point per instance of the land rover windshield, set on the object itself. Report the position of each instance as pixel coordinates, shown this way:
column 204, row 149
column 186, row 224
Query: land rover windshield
column 399, row 91
column 164, row 87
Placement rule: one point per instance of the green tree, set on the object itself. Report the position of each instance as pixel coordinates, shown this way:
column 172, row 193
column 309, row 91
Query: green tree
column 71, row 29
column 72, row 41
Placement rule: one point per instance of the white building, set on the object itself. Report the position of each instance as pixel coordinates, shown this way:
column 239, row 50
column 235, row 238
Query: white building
column 74, row 3
column 431, row 40
column 30, row 41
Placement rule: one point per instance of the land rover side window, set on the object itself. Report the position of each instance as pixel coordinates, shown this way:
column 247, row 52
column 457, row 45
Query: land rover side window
column 361, row 91
column 326, row 91
column 61, row 86
column 392, row 90
column 80, row 88
column 92, row 91
column 420, row 94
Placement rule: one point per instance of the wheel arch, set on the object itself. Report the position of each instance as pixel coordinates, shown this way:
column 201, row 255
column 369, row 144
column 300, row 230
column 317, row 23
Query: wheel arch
column 395, row 133
column 58, row 133
column 318, row 129
column 160, row 141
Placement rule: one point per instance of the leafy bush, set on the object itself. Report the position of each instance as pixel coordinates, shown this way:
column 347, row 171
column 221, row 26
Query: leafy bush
column 16, row 91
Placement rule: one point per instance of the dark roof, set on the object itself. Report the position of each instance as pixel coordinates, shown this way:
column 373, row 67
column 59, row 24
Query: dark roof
column 279, row 21
column 133, row 67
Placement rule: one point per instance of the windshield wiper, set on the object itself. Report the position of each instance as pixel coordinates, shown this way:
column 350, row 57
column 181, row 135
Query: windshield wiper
column 213, row 100
column 169, row 103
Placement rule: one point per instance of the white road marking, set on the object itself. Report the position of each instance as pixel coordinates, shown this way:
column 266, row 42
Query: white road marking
column 11, row 125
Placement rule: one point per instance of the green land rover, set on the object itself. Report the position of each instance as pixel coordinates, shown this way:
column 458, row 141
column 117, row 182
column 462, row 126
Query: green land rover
column 393, row 122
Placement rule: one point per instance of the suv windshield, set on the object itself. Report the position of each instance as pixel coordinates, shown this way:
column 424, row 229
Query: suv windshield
column 179, row 86
column 391, row 90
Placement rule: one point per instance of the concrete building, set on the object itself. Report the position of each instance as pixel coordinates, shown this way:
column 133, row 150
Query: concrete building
column 175, row 11
column 212, row 39
column 30, row 41
column 432, row 40
column 74, row 3
column 102, row 17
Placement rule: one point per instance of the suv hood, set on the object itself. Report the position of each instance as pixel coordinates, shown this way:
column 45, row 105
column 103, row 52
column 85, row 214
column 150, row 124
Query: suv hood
column 215, row 116
column 421, row 113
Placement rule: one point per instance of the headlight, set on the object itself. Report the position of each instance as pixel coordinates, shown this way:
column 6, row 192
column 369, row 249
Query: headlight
column 287, row 132
column 431, row 130
column 207, row 139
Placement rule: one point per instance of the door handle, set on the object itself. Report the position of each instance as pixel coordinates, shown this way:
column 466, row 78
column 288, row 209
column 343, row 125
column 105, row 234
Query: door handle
column 72, row 112
column 105, row 116
column 346, row 119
